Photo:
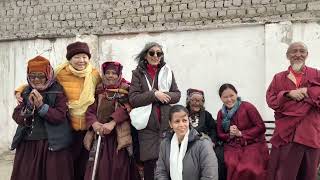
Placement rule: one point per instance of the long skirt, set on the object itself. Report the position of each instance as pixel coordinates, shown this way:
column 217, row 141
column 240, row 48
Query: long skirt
column 80, row 155
column 112, row 164
column 293, row 161
column 247, row 162
column 33, row 161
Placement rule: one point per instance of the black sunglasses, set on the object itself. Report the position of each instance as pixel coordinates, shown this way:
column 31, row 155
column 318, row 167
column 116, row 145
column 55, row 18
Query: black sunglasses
column 158, row 53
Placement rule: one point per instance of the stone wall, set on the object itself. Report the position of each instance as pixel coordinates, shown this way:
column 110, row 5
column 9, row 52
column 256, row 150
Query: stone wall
column 31, row 19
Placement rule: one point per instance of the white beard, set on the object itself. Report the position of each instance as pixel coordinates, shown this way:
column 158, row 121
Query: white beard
column 297, row 66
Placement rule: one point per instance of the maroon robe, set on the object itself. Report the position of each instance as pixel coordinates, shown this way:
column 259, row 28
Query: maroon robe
column 296, row 137
column 33, row 160
column 245, row 157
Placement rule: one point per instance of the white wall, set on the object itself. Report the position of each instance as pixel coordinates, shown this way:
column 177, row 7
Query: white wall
column 202, row 59
column 13, row 63
column 277, row 38
column 247, row 57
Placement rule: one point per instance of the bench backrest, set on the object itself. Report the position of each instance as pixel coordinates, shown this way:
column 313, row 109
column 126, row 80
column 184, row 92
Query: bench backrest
column 269, row 131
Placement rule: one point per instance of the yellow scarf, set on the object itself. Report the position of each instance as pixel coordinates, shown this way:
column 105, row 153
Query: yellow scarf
column 79, row 107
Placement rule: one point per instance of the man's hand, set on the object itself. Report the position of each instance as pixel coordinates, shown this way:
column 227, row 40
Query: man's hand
column 304, row 91
column 298, row 94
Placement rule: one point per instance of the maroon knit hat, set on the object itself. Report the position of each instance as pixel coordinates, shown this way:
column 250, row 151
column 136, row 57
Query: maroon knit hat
column 191, row 92
column 77, row 48
column 117, row 66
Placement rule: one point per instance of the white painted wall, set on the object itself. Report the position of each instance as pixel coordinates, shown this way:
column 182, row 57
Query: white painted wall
column 202, row 59
column 13, row 64
column 247, row 57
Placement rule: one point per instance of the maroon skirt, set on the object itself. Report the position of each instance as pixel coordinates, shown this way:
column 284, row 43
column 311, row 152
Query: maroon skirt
column 33, row 161
column 112, row 164
column 248, row 162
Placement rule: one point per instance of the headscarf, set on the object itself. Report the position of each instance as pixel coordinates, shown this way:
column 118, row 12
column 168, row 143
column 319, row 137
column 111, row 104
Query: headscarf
column 40, row 64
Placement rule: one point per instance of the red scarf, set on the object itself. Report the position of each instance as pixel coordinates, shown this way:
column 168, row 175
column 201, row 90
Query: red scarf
column 152, row 71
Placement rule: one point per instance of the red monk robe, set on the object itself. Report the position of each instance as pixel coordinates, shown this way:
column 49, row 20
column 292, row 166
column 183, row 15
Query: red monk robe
column 245, row 157
column 296, row 140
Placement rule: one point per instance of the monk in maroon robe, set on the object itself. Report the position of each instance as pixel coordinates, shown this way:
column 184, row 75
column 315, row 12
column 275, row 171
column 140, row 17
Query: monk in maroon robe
column 294, row 95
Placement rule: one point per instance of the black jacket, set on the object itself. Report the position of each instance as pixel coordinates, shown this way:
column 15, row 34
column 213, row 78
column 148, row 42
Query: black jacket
column 59, row 135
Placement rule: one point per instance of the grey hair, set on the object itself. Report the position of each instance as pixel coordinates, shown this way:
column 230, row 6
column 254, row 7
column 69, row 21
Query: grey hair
column 141, row 56
column 297, row 43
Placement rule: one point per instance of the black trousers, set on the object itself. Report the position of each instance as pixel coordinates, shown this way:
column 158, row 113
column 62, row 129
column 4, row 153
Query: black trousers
column 222, row 170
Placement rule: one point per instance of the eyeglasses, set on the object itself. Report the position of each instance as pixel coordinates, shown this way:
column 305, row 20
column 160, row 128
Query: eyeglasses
column 40, row 77
column 158, row 53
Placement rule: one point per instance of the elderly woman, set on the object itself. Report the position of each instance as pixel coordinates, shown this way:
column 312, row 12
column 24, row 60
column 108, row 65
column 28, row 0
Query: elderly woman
column 43, row 136
column 109, row 117
column 185, row 154
column 242, row 129
column 152, row 83
column 203, row 122
column 79, row 79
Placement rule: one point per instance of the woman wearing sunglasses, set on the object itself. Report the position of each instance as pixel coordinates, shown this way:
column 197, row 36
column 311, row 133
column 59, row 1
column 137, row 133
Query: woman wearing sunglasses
column 43, row 136
column 152, row 83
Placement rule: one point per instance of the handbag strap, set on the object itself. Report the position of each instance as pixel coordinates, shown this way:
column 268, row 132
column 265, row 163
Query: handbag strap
column 150, row 87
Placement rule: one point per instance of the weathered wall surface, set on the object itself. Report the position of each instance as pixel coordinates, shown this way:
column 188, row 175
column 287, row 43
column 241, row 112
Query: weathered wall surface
column 245, row 56
column 25, row 19
column 13, row 63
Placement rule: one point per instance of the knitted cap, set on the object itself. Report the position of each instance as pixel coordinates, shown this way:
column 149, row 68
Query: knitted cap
column 38, row 64
column 194, row 91
column 191, row 92
column 77, row 48
column 112, row 65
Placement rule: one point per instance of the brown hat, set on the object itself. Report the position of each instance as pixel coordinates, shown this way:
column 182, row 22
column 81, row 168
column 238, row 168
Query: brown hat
column 38, row 64
column 77, row 48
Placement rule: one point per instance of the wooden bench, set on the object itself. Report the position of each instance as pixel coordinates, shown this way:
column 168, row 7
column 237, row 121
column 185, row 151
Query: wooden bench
column 269, row 131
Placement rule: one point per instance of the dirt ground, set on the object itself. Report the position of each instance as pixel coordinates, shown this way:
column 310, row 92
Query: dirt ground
column 6, row 161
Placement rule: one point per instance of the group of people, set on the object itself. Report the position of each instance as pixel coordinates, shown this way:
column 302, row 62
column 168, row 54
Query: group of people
column 75, row 124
